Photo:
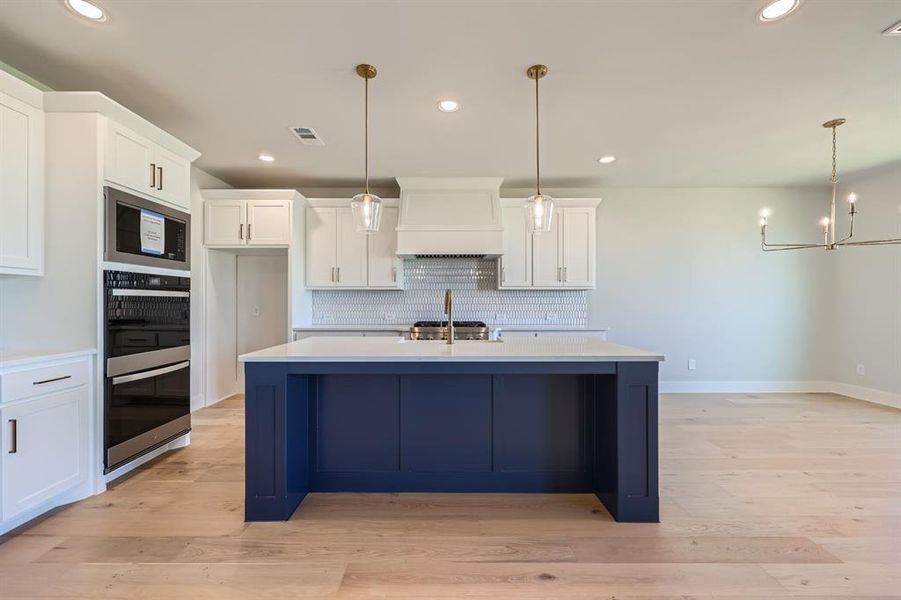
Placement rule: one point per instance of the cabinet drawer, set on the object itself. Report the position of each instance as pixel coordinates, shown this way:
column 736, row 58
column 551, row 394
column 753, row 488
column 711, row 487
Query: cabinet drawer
column 42, row 380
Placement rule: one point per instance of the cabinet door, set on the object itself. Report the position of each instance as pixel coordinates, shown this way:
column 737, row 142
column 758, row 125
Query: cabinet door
column 44, row 445
column 321, row 246
column 578, row 247
column 173, row 179
column 268, row 222
column 384, row 266
column 129, row 160
column 21, row 187
column 547, row 262
column 351, row 264
column 224, row 222
column 516, row 263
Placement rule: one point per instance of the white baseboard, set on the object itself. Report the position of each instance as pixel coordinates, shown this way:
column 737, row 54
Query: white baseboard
column 781, row 387
column 743, row 387
column 869, row 394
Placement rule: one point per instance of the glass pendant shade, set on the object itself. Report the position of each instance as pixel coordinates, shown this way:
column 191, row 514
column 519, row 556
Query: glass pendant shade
column 367, row 212
column 540, row 213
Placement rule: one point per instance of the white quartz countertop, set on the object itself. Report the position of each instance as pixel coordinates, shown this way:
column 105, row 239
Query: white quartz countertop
column 557, row 348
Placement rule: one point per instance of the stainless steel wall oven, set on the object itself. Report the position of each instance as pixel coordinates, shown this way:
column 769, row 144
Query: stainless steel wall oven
column 148, row 366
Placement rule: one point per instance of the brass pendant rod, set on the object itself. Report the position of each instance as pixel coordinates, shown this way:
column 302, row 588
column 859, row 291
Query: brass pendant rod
column 537, row 144
column 366, row 134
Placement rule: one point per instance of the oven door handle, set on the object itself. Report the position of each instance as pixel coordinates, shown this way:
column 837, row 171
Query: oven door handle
column 165, row 293
column 149, row 374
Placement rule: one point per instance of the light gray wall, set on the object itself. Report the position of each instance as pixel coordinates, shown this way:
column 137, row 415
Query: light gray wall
column 867, row 286
column 680, row 271
column 59, row 310
column 199, row 180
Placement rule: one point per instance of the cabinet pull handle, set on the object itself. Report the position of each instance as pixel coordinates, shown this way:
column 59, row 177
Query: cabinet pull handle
column 559, row 273
column 332, row 275
column 503, row 274
column 43, row 381
column 152, row 175
column 160, row 187
column 15, row 436
column 337, row 274
column 394, row 274
column 564, row 275
column 241, row 231
column 250, row 231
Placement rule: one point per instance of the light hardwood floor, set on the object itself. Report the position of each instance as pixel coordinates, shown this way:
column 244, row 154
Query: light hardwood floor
column 770, row 496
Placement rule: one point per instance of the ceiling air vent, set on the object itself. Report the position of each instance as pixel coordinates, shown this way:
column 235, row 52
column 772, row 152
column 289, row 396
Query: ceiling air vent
column 893, row 30
column 307, row 136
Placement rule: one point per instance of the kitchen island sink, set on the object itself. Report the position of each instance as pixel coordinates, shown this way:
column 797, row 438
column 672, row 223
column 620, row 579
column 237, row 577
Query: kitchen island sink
column 569, row 414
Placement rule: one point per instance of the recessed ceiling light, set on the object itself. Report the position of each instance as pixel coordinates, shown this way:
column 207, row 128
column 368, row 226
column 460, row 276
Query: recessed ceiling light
column 778, row 9
column 86, row 9
column 448, row 106
column 606, row 160
column 266, row 157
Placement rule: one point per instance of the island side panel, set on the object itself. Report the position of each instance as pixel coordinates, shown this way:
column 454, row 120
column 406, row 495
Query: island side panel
column 276, row 441
column 626, row 469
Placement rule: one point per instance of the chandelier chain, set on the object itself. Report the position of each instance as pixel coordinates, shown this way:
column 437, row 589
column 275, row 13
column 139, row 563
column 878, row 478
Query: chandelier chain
column 834, row 178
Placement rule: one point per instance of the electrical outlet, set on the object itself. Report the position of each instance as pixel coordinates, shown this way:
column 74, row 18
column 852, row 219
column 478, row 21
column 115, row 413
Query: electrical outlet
column 255, row 311
column 691, row 364
column 861, row 370
column 550, row 317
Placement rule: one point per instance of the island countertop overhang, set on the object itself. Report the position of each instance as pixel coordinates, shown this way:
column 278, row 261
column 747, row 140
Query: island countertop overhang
column 564, row 348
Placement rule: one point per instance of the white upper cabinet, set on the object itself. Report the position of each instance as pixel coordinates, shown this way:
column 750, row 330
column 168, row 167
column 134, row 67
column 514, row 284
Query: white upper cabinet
column 547, row 267
column 231, row 222
column 384, row 266
column 337, row 255
column 516, row 263
column 578, row 247
column 351, row 266
column 173, row 178
column 21, row 186
column 129, row 159
column 562, row 257
column 268, row 222
column 134, row 162
column 321, row 247
column 224, row 222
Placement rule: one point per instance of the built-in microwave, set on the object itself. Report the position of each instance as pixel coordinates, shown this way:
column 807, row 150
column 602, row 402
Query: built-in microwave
column 143, row 232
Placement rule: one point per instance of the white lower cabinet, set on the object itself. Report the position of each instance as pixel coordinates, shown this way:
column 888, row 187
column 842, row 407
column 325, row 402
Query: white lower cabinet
column 44, row 449
column 44, row 436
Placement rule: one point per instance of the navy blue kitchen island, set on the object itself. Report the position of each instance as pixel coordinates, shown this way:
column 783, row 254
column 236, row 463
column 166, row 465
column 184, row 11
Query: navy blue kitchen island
column 570, row 415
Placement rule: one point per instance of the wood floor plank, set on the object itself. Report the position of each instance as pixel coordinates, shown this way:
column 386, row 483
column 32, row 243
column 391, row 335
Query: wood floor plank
column 762, row 496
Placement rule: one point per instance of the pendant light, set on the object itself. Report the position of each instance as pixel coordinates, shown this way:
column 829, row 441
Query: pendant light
column 539, row 207
column 827, row 223
column 366, row 207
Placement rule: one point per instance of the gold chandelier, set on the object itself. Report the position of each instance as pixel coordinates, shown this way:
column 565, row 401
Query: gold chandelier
column 828, row 223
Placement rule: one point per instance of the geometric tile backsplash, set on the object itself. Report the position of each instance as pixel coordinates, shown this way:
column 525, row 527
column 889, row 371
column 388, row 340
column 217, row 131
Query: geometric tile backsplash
column 476, row 298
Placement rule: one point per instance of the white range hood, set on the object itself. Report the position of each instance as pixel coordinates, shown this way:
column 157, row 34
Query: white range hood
column 449, row 217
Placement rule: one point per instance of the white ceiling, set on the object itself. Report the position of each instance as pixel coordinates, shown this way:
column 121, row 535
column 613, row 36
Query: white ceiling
column 682, row 92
